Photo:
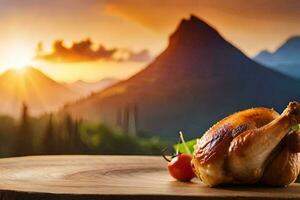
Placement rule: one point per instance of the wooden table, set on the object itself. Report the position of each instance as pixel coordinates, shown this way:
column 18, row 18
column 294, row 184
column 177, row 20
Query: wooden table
column 112, row 177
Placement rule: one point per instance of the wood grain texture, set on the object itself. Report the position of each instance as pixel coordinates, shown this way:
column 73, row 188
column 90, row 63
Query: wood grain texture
column 112, row 177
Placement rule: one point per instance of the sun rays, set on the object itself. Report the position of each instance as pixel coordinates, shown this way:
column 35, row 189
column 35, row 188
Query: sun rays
column 25, row 86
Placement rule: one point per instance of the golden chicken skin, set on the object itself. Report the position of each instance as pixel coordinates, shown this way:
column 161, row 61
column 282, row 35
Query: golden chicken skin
column 249, row 147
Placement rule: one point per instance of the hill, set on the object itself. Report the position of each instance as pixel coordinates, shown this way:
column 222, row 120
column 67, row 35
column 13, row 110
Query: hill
column 197, row 80
column 31, row 86
column 286, row 59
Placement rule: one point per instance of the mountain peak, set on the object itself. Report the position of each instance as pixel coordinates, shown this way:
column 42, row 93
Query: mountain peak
column 286, row 54
column 262, row 54
column 40, row 92
column 197, row 75
column 193, row 31
column 196, row 20
column 294, row 38
column 285, row 59
column 293, row 43
column 25, row 72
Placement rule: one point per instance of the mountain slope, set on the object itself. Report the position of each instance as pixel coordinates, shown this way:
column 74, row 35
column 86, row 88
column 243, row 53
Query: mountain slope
column 85, row 88
column 285, row 59
column 31, row 86
column 199, row 79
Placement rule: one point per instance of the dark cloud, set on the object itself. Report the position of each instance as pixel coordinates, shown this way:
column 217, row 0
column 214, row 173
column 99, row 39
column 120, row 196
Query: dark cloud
column 83, row 51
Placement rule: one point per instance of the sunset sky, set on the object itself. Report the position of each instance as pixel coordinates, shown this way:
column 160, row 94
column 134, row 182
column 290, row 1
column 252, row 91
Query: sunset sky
column 134, row 30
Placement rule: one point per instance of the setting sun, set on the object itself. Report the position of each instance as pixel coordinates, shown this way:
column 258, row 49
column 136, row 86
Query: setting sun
column 19, row 57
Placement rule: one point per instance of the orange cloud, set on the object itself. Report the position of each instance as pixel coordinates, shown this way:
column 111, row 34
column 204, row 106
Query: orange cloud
column 83, row 51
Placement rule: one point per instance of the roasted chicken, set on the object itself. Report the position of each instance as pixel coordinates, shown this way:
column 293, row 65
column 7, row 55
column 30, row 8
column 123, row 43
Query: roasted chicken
column 251, row 146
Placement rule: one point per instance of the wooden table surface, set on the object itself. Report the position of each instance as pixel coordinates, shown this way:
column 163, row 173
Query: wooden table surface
column 112, row 177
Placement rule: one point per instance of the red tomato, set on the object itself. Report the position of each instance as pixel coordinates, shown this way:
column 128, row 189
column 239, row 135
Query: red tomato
column 180, row 167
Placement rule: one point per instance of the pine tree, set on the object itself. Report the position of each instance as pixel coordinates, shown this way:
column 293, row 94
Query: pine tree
column 24, row 139
column 50, row 141
column 69, row 130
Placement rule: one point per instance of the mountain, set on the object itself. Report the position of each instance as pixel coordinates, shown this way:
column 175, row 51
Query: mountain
column 196, row 81
column 285, row 59
column 85, row 88
column 34, row 88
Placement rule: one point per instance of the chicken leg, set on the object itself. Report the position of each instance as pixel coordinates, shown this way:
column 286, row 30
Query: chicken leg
column 284, row 168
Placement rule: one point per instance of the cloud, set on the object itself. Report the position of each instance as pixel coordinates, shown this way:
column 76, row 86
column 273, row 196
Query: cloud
column 83, row 51
column 141, row 56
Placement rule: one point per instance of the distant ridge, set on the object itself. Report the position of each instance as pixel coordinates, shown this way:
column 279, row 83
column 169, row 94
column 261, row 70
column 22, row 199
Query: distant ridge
column 85, row 88
column 197, row 80
column 286, row 59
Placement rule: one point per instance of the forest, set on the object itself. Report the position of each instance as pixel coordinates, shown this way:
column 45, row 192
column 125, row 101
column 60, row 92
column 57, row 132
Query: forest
column 50, row 134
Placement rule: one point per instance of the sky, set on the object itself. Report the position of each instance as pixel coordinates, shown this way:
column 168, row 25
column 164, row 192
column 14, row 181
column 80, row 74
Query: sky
column 94, row 39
